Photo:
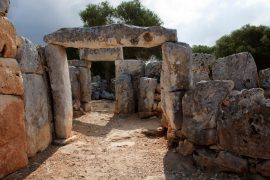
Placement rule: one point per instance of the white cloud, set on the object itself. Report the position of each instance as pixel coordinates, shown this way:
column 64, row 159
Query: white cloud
column 197, row 21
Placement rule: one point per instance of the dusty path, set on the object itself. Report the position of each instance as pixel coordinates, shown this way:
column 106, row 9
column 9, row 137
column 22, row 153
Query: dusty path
column 112, row 146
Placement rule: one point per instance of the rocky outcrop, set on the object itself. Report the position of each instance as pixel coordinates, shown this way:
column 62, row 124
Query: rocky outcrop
column 61, row 90
column 4, row 7
column 240, row 68
column 124, row 103
column 8, row 47
column 176, row 79
column 10, row 77
column 147, row 92
column 201, row 66
column 104, row 54
column 200, row 110
column 110, row 36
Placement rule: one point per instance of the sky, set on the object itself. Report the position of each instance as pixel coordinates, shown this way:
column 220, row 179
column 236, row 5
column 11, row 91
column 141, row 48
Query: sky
column 197, row 21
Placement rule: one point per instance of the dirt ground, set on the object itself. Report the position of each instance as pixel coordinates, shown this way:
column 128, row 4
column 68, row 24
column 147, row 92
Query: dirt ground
column 112, row 146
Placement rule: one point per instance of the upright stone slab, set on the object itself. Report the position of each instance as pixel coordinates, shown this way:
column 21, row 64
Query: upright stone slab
column 74, row 74
column 240, row 68
column 61, row 89
column 201, row 66
column 124, row 103
column 264, row 76
column 38, row 115
column 147, row 92
column 84, row 78
column 110, row 36
column 176, row 79
column 104, row 54
column 200, row 108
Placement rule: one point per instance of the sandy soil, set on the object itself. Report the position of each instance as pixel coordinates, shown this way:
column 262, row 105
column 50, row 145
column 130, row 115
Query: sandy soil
column 112, row 146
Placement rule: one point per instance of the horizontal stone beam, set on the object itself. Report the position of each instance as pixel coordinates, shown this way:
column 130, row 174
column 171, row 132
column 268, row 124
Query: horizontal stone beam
column 79, row 63
column 104, row 54
column 110, row 36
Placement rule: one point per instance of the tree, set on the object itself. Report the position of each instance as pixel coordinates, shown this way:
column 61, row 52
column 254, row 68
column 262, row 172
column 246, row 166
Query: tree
column 203, row 49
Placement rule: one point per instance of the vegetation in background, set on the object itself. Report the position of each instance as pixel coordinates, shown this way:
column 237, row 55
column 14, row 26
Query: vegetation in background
column 253, row 39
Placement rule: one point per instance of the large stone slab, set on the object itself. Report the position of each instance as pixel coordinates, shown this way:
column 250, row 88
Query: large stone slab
column 38, row 114
column 176, row 79
column 84, row 78
column 28, row 57
column 8, row 46
column 74, row 74
column 61, row 89
column 11, row 81
column 104, row 54
column 244, row 124
column 200, row 108
column 124, row 102
column 110, row 36
column 12, row 132
column 4, row 7
column 264, row 76
column 201, row 66
column 80, row 63
column 147, row 92
column 240, row 68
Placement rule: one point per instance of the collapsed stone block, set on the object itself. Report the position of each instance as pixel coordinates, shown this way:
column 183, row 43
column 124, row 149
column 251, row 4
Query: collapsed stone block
column 38, row 114
column 244, row 124
column 61, row 89
column 264, row 76
column 8, row 47
column 201, row 67
column 29, row 58
column 104, row 54
column 12, row 132
column 176, row 79
column 10, row 77
column 111, row 36
column 240, row 68
column 200, row 109
column 124, row 103
column 147, row 92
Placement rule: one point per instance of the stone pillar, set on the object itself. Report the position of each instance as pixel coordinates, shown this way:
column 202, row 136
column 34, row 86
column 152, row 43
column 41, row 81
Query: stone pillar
column 147, row 92
column 61, row 89
column 176, row 79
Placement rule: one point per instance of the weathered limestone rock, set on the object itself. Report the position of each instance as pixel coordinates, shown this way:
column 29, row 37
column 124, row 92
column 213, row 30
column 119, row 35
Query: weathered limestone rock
column 147, row 91
column 79, row 63
column 240, row 68
column 12, row 132
column 264, row 168
column 264, row 76
column 124, row 103
column 29, row 58
column 74, row 74
column 224, row 161
column 38, row 117
column 153, row 69
column 110, row 36
column 200, row 109
column 8, row 47
column 104, row 54
column 176, row 79
column 10, row 77
column 201, row 66
column 84, row 84
column 4, row 7
column 244, row 124
column 61, row 89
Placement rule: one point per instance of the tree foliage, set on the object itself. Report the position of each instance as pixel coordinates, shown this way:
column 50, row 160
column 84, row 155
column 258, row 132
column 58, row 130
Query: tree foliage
column 203, row 49
column 253, row 39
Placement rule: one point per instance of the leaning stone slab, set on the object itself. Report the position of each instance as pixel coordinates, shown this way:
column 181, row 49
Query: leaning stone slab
column 61, row 90
column 104, row 54
column 4, row 7
column 124, row 103
column 201, row 66
column 11, row 81
column 110, row 36
column 240, row 68
column 12, row 132
column 264, row 76
column 28, row 57
column 8, row 46
column 147, row 92
column 244, row 124
column 79, row 63
column 38, row 117
column 200, row 108
column 176, row 79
